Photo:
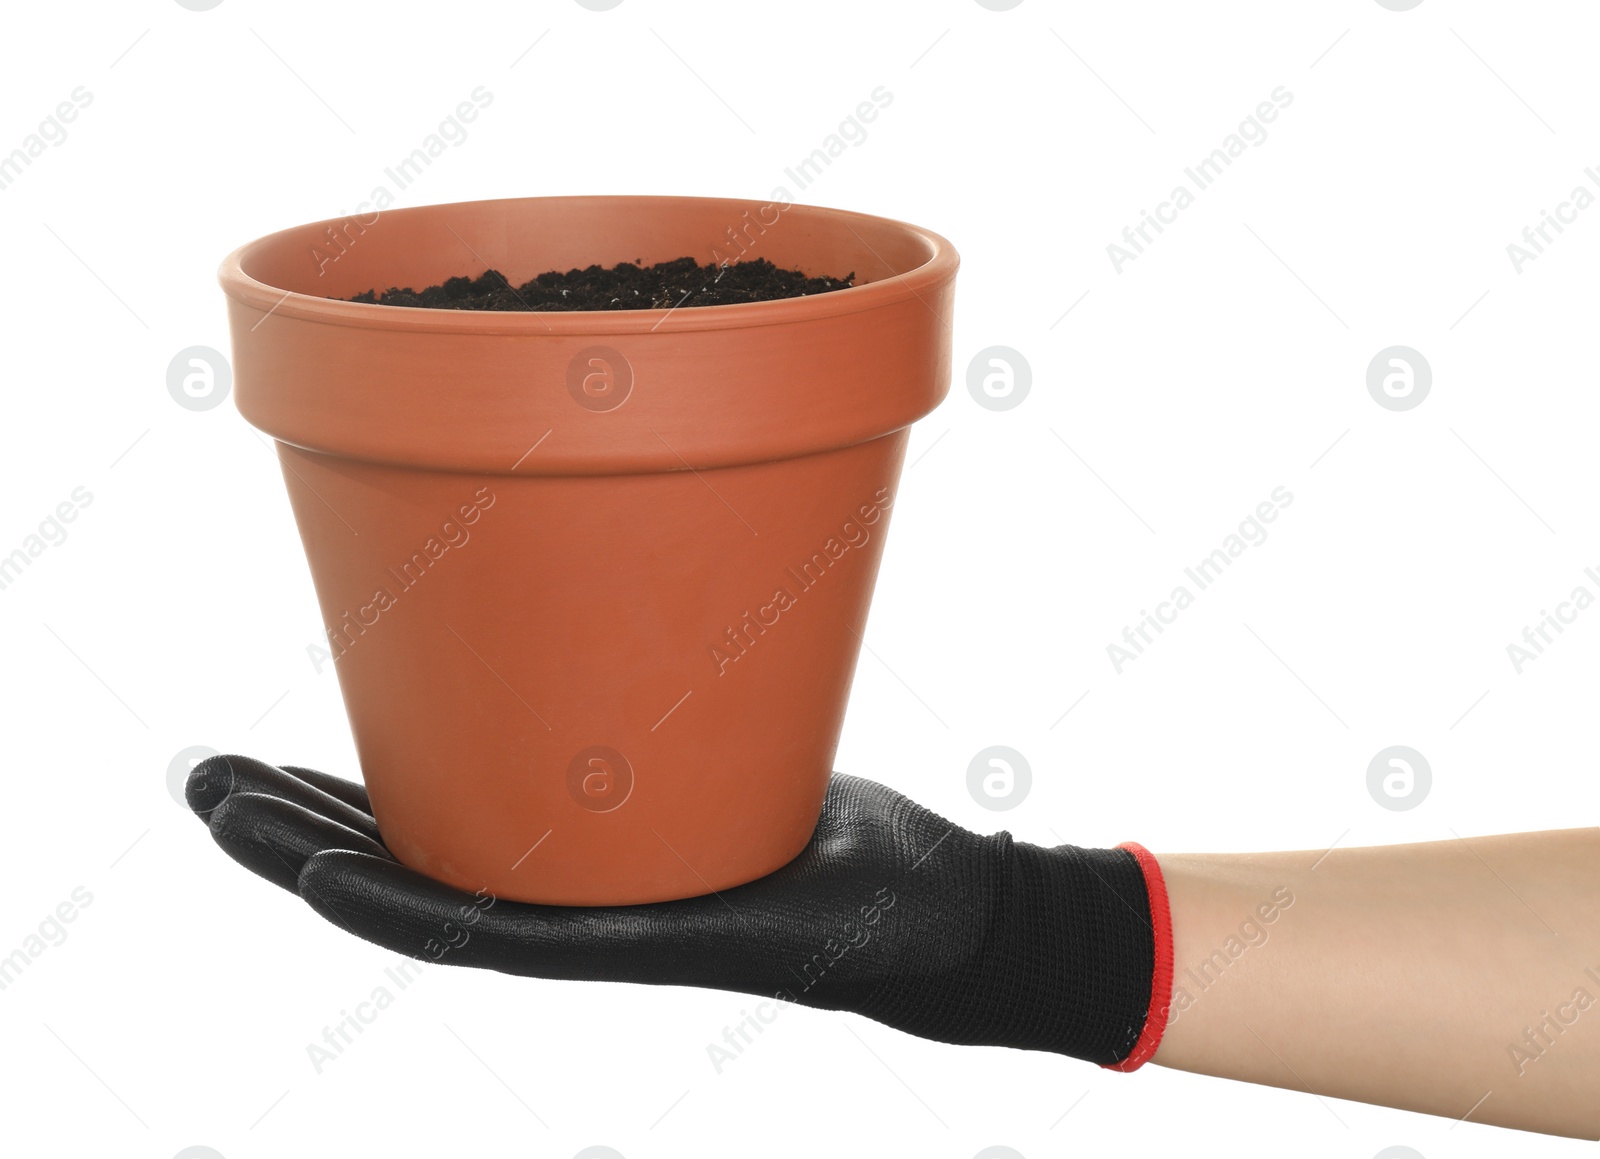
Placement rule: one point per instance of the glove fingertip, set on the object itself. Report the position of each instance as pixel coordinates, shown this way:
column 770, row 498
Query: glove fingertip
column 210, row 783
column 373, row 898
column 334, row 877
column 235, row 827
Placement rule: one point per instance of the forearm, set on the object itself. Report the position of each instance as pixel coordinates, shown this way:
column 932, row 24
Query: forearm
column 1457, row 978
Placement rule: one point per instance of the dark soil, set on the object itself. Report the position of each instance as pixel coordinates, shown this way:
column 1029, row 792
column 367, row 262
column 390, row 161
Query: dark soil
column 625, row 286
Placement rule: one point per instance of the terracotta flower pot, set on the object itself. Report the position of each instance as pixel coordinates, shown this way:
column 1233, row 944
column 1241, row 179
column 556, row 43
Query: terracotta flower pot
column 594, row 582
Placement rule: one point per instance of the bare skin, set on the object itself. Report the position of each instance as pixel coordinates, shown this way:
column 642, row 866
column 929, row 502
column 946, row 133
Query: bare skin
column 1457, row 978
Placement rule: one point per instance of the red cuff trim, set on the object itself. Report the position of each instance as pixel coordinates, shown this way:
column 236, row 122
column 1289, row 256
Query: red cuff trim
column 1155, row 1020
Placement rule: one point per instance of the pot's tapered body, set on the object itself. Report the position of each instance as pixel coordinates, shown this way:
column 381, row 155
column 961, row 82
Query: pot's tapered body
column 594, row 583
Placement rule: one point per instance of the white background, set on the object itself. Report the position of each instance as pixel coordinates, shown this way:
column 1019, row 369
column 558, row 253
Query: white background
column 1167, row 401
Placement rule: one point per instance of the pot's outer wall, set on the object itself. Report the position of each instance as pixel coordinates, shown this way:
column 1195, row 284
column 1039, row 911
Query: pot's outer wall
column 596, row 643
column 576, row 612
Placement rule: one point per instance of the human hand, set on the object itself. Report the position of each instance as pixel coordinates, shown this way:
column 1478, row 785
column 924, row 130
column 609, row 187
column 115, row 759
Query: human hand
column 890, row 912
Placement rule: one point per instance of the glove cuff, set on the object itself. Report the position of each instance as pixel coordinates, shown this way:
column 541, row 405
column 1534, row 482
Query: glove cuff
column 1155, row 1022
column 1073, row 956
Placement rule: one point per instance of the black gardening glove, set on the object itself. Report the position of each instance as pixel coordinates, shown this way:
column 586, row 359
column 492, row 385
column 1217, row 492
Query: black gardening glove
column 890, row 912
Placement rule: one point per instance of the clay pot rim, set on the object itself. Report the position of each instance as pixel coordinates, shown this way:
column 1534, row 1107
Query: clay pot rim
column 940, row 265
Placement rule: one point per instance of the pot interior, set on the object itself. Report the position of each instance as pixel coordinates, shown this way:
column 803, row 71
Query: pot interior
column 524, row 237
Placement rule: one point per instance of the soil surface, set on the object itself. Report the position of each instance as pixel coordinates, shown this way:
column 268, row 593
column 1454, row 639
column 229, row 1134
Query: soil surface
column 625, row 286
